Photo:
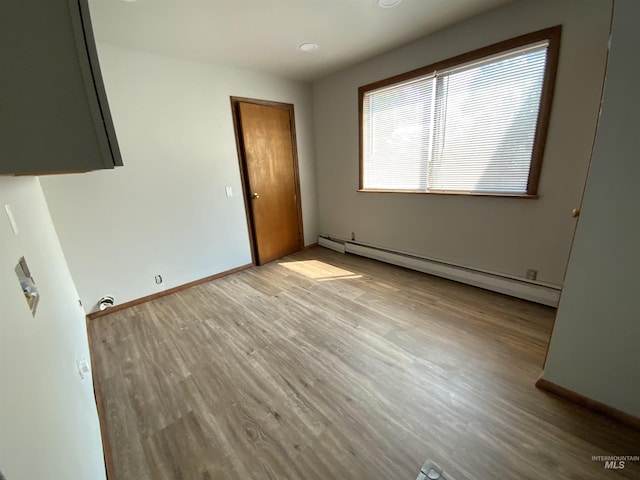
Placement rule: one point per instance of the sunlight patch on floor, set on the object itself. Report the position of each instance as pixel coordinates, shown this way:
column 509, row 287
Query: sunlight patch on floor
column 318, row 270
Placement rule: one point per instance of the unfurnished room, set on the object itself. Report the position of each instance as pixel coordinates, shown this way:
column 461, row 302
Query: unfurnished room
column 319, row 239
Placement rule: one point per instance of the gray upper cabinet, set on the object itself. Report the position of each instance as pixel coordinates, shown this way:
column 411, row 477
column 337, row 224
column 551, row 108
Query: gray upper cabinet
column 54, row 116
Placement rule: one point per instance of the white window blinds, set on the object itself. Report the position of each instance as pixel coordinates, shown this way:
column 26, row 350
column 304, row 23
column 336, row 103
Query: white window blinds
column 470, row 128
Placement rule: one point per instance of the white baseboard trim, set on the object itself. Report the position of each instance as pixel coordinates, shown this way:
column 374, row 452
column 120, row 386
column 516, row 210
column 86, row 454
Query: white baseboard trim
column 527, row 290
column 328, row 242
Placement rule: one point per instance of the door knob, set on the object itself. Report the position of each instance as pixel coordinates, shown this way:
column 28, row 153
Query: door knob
column 575, row 213
column 255, row 195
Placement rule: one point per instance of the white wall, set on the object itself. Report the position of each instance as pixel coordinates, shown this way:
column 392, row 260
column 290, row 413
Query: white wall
column 503, row 235
column 165, row 212
column 595, row 343
column 48, row 420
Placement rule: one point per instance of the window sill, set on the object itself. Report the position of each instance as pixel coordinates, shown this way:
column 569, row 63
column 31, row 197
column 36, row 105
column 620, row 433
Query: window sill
column 465, row 194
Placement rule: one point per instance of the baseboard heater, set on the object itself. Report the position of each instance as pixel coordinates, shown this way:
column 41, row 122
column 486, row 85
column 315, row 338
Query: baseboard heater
column 538, row 292
column 332, row 243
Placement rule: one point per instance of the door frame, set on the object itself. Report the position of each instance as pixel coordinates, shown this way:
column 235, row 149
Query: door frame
column 242, row 160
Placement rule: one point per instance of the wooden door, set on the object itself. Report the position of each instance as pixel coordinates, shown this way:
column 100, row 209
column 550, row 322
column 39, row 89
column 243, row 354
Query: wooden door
column 266, row 143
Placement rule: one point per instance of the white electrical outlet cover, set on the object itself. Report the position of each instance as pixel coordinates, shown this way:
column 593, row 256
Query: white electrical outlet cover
column 83, row 367
column 228, row 191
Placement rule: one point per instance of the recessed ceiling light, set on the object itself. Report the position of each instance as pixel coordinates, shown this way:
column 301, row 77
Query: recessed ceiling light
column 308, row 47
column 388, row 3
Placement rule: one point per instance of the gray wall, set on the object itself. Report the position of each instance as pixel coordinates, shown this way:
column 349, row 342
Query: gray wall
column 165, row 212
column 503, row 235
column 595, row 345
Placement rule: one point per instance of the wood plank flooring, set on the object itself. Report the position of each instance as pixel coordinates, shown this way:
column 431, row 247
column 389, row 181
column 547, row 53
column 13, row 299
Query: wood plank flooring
column 329, row 366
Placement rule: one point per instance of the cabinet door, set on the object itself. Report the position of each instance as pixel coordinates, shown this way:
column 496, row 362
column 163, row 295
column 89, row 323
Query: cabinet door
column 54, row 116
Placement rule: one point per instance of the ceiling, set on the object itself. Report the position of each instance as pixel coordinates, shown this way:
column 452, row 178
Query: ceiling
column 263, row 35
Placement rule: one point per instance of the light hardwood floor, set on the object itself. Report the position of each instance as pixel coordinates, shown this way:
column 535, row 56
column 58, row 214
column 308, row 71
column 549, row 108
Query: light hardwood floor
column 329, row 366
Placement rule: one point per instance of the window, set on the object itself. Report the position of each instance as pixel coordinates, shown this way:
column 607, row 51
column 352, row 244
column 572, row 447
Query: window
column 473, row 124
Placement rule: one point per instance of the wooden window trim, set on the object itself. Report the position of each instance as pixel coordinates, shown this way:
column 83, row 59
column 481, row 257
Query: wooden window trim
column 551, row 34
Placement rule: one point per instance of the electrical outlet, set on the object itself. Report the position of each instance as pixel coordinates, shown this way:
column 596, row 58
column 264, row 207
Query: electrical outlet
column 353, row 236
column 532, row 274
column 83, row 367
column 158, row 279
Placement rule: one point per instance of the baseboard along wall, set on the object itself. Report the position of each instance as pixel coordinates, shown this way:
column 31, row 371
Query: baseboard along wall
column 537, row 292
column 588, row 403
column 169, row 291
